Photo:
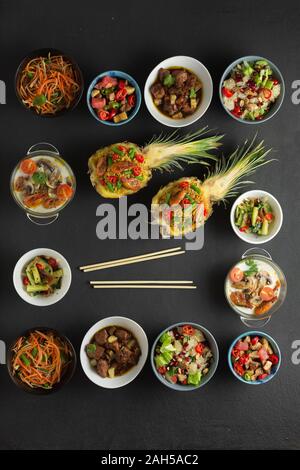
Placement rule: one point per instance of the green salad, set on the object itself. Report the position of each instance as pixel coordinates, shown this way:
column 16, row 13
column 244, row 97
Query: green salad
column 42, row 276
column 183, row 356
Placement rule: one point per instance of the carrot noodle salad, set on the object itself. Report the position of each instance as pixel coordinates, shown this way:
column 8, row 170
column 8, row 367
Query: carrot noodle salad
column 40, row 359
column 49, row 84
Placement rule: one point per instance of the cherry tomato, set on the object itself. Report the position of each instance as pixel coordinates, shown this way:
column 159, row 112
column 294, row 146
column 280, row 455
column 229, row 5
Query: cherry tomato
column 267, row 293
column 237, row 110
column 64, row 191
column 140, row 158
column 199, row 348
column 131, row 100
column 236, row 274
column 120, row 95
column 235, row 352
column 188, row 330
column 28, row 166
column 115, row 157
column 137, row 170
column 184, row 184
column 39, row 266
column 103, row 115
column 52, row 262
column 226, row 92
column 26, row 281
column 112, row 113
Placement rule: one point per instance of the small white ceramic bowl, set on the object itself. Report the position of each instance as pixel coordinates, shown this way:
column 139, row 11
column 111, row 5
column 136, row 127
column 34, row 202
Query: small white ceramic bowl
column 39, row 300
column 207, row 90
column 124, row 379
column 274, row 227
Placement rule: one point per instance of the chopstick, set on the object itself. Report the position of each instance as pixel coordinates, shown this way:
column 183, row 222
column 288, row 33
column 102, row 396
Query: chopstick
column 133, row 259
column 139, row 282
column 145, row 286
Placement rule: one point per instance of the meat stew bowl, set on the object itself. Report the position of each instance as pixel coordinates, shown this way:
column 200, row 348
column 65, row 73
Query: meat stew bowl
column 127, row 377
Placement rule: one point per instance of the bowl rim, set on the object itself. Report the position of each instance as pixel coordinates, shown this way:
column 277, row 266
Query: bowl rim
column 59, row 385
column 186, row 388
column 90, row 374
column 277, row 71
column 254, row 333
column 123, row 75
column 43, row 52
column 242, row 235
column 17, row 273
column 170, row 120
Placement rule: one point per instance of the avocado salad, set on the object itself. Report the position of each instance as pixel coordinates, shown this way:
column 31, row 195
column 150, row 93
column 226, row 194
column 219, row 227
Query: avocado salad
column 42, row 276
column 183, row 356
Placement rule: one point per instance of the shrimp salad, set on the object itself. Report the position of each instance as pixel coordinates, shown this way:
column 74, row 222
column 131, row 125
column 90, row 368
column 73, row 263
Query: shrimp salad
column 183, row 355
column 251, row 90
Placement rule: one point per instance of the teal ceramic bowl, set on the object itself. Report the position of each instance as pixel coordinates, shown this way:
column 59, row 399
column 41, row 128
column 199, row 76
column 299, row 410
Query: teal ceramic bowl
column 276, row 351
column 213, row 367
column 276, row 73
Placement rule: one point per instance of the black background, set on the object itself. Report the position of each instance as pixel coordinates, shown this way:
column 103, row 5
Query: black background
column 134, row 37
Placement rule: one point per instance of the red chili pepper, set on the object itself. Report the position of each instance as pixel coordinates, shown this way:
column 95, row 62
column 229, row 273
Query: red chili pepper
column 139, row 158
column 103, row 115
column 262, row 376
column 121, row 84
column 199, row 348
column 137, row 170
column 162, row 370
column 120, row 95
column 112, row 179
column 269, row 216
column 184, row 184
column 254, row 340
column 226, row 92
column 131, row 100
column 26, row 281
column 185, row 201
column 122, row 148
column 274, row 359
column 188, row 330
column 244, row 359
column 205, row 212
column 244, row 229
column 112, row 113
column 115, row 157
column 239, row 369
column 39, row 266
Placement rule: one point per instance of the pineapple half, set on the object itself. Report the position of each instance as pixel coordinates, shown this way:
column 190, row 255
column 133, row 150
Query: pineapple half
column 198, row 197
column 124, row 168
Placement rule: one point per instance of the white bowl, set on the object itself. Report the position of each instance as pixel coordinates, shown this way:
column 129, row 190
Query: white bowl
column 207, row 90
column 124, row 379
column 39, row 300
column 274, row 227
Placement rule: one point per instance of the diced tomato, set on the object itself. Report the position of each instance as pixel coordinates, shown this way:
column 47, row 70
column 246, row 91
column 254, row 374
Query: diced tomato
column 174, row 379
column 274, row 359
column 26, row 281
column 121, row 84
column 53, row 263
column 64, row 191
column 254, row 340
column 244, row 359
column 140, row 158
column 199, row 348
column 112, row 179
column 162, row 370
column 267, row 293
column 237, row 110
column 267, row 93
column 236, row 274
column 263, row 355
column 226, row 92
column 106, row 82
column 269, row 216
column 112, row 113
column 184, row 184
column 103, row 115
column 28, row 166
column 235, row 352
column 39, row 266
column 262, row 376
column 275, row 82
column 120, row 95
column 239, row 369
column 242, row 346
column 131, row 100
column 188, row 330
column 98, row 102
column 115, row 157
column 137, row 170
column 244, row 228
column 122, row 148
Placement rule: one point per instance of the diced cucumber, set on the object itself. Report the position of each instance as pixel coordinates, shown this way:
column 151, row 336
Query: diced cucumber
column 254, row 215
column 37, row 288
column 265, row 227
column 30, row 276
column 261, row 63
column 36, row 275
column 58, row 273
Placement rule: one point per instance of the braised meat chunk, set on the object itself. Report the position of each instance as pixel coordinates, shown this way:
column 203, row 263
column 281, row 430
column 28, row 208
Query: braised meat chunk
column 113, row 351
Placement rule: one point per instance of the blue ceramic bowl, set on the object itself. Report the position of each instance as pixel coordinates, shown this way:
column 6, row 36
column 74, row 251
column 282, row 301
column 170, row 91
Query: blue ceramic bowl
column 213, row 346
column 277, row 74
column 123, row 76
column 275, row 348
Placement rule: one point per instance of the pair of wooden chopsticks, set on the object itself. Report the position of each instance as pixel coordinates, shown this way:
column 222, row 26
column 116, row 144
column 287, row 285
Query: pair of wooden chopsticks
column 146, row 284
column 132, row 259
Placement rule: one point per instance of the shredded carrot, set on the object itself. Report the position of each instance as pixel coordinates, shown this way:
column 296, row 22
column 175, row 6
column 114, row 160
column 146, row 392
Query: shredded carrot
column 49, row 84
column 40, row 359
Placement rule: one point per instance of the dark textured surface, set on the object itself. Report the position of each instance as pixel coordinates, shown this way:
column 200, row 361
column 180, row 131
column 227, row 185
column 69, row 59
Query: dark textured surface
column 134, row 37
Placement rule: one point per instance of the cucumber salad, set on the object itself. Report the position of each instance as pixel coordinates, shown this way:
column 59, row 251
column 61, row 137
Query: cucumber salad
column 183, row 356
column 42, row 276
column 250, row 90
column 254, row 215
